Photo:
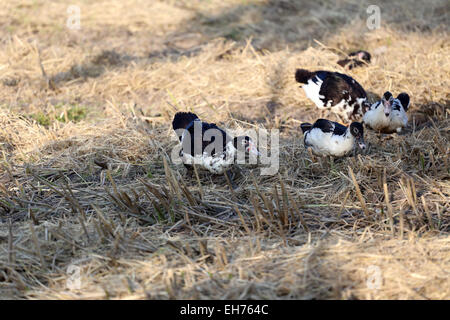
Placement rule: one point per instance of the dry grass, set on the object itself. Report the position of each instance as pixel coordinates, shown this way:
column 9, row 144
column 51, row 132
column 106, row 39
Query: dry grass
column 86, row 178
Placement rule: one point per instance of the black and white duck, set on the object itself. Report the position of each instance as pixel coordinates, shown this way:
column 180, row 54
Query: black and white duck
column 329, row 138
column 208, row 146
column 355, row 59
column 389, row 114
column 334, row 91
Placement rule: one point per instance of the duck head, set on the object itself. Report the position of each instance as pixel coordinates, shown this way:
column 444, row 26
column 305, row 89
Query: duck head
column 363, row 55
column 357, row 131
column 387, row 101
column 365, row 106
column 246, row 143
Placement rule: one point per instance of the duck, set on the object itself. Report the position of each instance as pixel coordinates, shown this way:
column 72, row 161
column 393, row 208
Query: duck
column 355, row 59
column 334, row 91
column 329, row 138
column 388, row 115
column 207, row 145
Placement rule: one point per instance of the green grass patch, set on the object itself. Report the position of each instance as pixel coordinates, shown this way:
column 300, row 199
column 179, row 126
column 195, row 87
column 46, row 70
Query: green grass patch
column 74, row 114
column 41, row 118
column 235, row 34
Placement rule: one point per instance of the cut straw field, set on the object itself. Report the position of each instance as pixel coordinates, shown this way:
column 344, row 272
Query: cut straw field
column 92, row 207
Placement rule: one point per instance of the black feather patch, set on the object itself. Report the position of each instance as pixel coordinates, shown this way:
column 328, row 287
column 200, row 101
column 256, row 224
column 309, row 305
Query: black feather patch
column 182, row 119
column 330, row 126
column 302, row 75
column 197, row 143
column 322, row 75
column 339, row 129
column 404, row 99
column 387, row 95
column 306, row 126
column 324, row 125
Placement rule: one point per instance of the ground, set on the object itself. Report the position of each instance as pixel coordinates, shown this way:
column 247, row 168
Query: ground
column 93, row 207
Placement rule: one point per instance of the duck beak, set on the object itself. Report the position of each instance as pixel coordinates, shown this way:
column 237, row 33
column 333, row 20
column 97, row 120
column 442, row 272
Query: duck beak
column 361, row 143
column 366, row 107
column 388, row 106
column 252, row 149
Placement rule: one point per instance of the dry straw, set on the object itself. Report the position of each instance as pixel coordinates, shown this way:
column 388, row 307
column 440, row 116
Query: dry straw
column 85, row 137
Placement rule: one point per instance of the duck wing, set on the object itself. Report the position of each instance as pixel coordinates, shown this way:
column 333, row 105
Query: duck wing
column 206, row 141
column 330, row 126
column 338, row 86
column 324, row 125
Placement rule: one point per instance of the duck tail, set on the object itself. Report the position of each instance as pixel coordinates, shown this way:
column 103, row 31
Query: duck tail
column 306, row 126
column 182, row 119
column 302, row 75
column 343, row 62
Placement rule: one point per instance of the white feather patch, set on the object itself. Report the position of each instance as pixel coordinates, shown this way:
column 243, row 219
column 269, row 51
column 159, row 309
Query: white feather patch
column 329, row 144
column 217, row 163
column 312, row 90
